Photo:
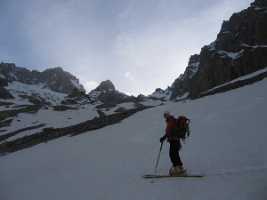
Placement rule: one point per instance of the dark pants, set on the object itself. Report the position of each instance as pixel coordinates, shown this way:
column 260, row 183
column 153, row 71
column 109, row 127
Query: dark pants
column 175, row 147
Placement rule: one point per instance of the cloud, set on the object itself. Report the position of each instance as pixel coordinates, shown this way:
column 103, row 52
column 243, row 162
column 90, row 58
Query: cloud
column 90, row 85
column 156, row 56
column 129, row 76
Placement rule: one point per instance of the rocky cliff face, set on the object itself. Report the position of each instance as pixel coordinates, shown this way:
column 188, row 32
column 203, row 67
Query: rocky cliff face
column 182, row 84
column 55, row 79
column 4, row 94
column 240, row 49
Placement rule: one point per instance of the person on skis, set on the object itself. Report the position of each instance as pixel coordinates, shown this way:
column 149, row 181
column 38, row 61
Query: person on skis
column 175, row 145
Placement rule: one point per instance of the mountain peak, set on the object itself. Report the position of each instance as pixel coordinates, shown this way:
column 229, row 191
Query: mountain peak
column 55, row 79
column 106, row 86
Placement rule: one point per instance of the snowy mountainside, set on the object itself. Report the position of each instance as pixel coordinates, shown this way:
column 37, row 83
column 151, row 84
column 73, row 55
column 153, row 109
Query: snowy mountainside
column 35, row 111
column 49, row 118
column 55, row 79
column 22, row 121
column 160, row 94
column 108, row 163
column 20, row 90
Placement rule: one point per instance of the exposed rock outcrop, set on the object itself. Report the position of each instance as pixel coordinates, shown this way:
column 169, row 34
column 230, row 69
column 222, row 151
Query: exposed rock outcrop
column 240, row 49
column 182, row 84
column 107, row 94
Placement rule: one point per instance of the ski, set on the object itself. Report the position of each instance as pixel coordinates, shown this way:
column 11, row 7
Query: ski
column 151, row 176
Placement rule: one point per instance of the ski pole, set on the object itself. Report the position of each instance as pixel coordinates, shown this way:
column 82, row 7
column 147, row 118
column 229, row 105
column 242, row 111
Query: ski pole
column 157, row 162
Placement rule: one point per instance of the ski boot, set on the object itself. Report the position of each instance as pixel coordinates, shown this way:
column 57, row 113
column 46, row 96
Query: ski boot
column 177, row 170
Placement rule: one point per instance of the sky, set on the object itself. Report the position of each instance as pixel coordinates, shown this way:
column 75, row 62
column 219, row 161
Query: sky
column 139, row 45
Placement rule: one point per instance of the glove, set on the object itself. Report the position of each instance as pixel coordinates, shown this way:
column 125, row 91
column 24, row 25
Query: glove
column 162, row 139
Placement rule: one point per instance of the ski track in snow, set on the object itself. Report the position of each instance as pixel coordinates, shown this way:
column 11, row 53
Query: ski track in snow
column 227, row 143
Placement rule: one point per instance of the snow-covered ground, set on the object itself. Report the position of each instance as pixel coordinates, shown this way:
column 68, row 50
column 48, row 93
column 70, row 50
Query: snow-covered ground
column 241, row 78
column 51, row 118
column 183, row 97
column 47, row 116
column 151, row 102
column 126, row 106
column 18, row 88
column 228, row 144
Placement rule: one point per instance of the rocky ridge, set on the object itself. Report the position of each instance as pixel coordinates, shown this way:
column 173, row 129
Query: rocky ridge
column 55, row 79
column 107, row 95
column 239, row 49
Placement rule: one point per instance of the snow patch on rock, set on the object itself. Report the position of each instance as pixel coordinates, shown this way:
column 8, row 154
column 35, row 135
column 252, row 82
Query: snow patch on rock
column 232, row 55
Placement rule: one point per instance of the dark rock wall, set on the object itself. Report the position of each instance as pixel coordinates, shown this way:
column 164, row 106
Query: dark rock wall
column 240, row 49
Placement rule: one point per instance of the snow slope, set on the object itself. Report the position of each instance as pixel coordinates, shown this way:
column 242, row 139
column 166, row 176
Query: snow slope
column 50, row 119
column 251, row 75
column 228, row 144
column 17, row 88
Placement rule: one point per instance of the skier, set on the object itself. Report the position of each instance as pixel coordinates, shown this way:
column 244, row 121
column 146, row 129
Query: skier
column 175, row 145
